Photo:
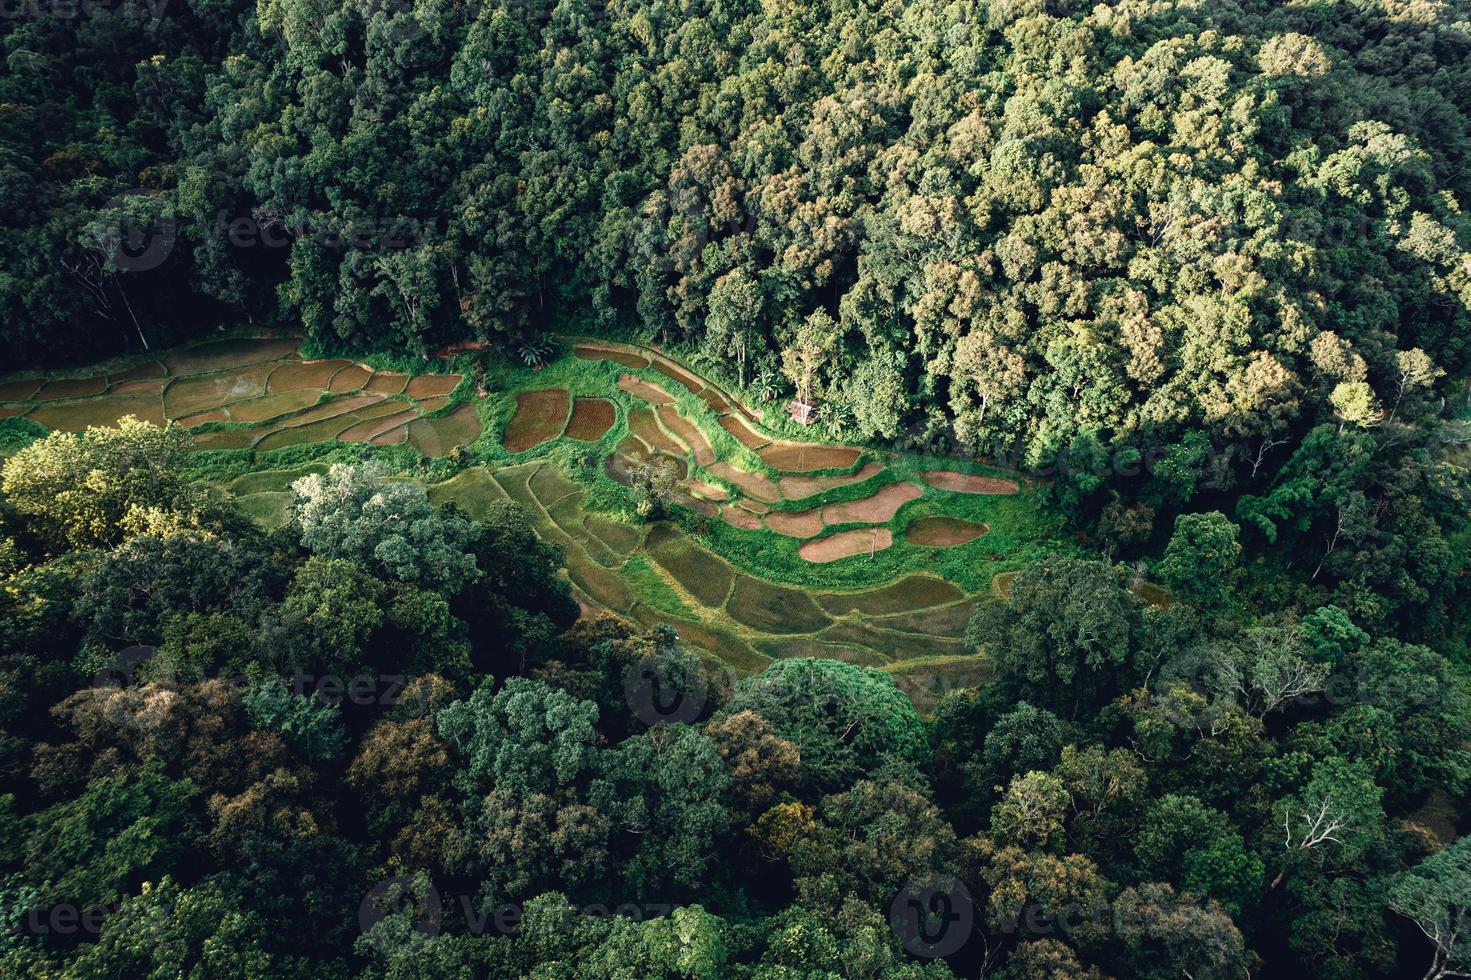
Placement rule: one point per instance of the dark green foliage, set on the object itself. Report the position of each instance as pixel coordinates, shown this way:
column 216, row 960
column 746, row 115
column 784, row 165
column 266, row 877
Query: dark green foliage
column 847, row 722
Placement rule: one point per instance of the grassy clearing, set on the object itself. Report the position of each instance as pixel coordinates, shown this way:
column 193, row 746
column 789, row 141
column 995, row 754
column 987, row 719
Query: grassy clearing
column 264, row 481
column 654, row 590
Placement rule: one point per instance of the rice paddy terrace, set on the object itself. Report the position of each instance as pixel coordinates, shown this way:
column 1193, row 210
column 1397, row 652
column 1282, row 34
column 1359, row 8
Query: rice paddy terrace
column 774, row 546
column 253, row 394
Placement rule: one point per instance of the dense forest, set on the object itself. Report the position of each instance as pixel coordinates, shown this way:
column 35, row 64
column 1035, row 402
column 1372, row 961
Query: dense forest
column 381, row 742
column 1201, row 270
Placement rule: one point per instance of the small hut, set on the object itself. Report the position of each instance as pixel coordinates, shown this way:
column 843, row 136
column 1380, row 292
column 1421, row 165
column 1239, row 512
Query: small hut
column 802, row 412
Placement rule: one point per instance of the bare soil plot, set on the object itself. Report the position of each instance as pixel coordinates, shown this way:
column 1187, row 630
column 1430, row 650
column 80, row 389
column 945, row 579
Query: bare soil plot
column 190, row 421
column 942, row 532
column 431, row 405
column 319, row 431
column 709, row 491
column 872, row 510
column 678, row 376
column 754, row 484
column 718, row 403
column 439, row 436
column 220, row 355
column 19, row 389
column 335, row 408
column 803, row 524
column 351, row 378
column 387, row 383
column 540, row 417
column 845, row 544
column 695, row 504
column 396, row 436
column 375, row 406
column 774, row 608
column 71, row 388
column 700, row 573
column 591, row 419
column 688, row 432
column 626, row 358
column 968, row 483
column 11, row 411
column 743, row 519
column 641, row 422
column 642, row 389
column 744, row 434
column 298, row 375
column 797, row 487
column 802, row 456
column 140, row 386
column 431, row 385
column 754, row 506
column 619, row 468
column 272, row 406
column 908, row 594
column 76, row 416
column 187, row 396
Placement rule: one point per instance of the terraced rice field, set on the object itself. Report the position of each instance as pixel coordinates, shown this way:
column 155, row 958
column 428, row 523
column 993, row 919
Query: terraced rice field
column 744, row 494
column 836, row 505
column 254, row 394
column 660, row 574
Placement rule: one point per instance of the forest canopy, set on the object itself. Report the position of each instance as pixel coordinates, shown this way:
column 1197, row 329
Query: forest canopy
column 1033, row 223
column 1197, row 275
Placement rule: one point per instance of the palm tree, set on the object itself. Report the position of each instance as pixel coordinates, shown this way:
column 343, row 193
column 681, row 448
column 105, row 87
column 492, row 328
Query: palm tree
column 534, row 352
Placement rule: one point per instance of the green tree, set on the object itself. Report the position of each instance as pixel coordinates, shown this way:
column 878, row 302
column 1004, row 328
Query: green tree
column 387, row 526
column 1436, row 896
column 847, row 722
column 1064, row 635
column 1201, row 559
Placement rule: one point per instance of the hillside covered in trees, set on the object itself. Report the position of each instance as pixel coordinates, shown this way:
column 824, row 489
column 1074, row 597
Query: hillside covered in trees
column 1198, row 275
column 1126, row 221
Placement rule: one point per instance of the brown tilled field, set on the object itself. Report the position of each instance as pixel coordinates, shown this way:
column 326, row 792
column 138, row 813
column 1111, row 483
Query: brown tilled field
column 967, row 483
column 845, row 544
column 875, row 509
column 591, row 418
column 540, row 417
column 942, row 532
